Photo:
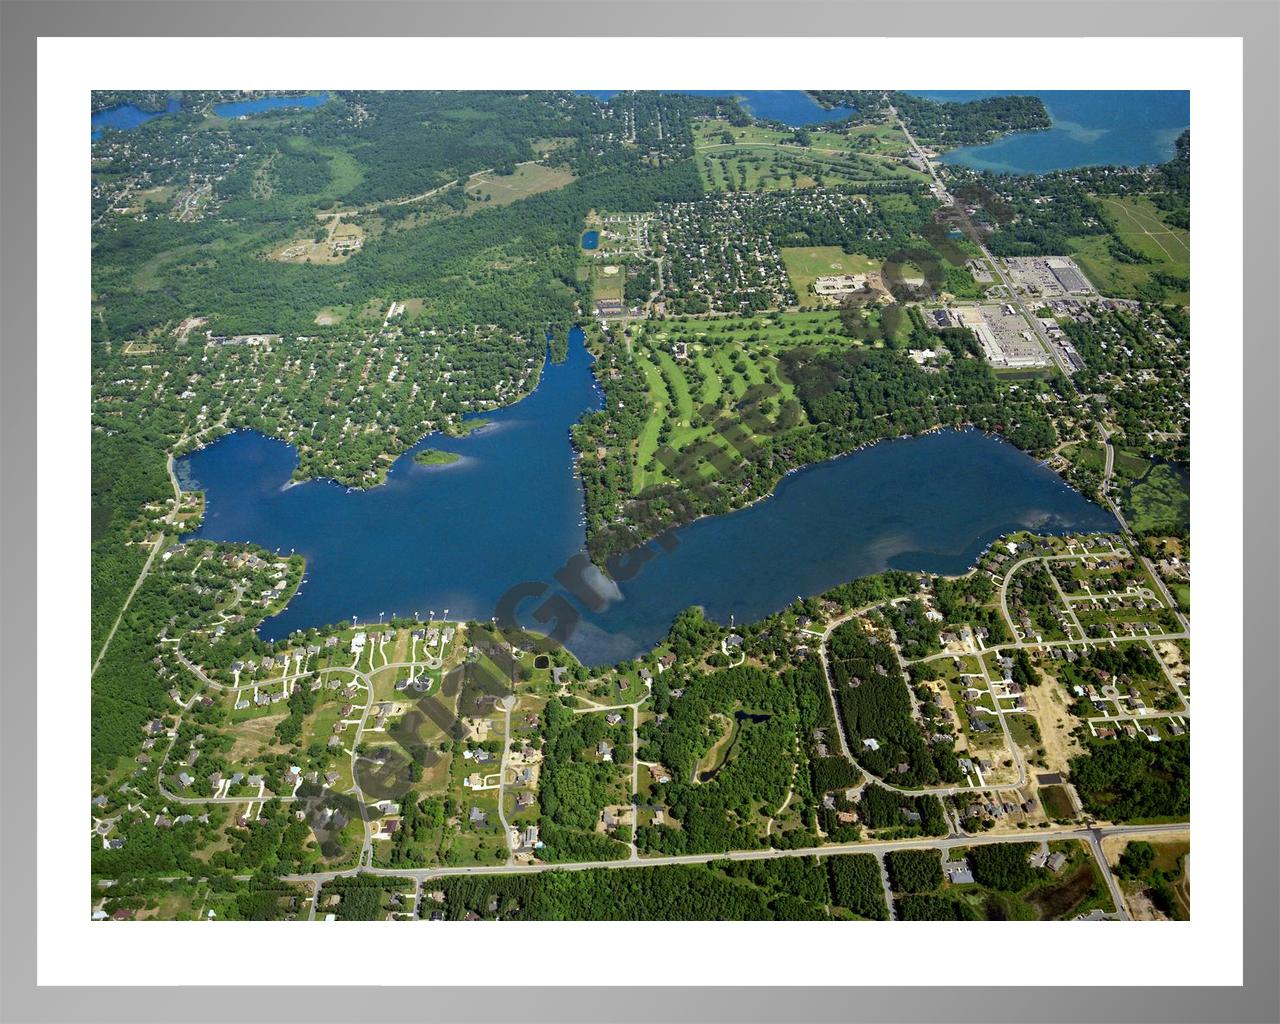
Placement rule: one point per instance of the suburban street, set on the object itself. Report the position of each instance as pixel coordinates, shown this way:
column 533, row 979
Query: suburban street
column 1092, row 836
column 689, row 303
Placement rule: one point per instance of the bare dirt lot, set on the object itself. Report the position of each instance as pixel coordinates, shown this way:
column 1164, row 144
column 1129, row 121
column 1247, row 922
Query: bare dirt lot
column 1171, row 655
column 1169, row 850
column 254, row 737
column 1047, row 704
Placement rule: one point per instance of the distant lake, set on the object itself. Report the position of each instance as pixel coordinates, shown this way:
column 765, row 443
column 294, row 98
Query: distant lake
column 1123, row 128
column 793, row 107
column 245, row 107
column 127, row 116
column 511, row 511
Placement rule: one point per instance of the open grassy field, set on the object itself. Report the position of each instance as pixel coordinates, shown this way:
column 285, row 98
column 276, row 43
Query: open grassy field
column 331, row 315
column 147, row 276
column 344, row 170
column 528, row 180
column 1086, row 456
column 1057, row 804
column 714, row 758
column 881, row 139
column 160, row 196
column 1156, row 496
column 1171, row 865
column 256, row 738
column 1024, row 729
column 806, row 265
column 1172, row 857
column 608, row 281
column 1140, row 225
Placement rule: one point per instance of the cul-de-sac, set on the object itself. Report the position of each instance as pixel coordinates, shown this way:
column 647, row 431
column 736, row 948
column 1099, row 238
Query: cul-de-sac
column 640, row 506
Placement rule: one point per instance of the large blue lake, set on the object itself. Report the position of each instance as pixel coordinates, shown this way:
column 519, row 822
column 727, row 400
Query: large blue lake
column 243, row 108
column 510, row 512
column 1090, row 128
column 126, row 116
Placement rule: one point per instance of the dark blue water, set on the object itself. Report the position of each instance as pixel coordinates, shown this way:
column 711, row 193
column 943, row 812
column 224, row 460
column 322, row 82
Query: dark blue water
column 460, row 536
column 1090, row 128
column 257, row 106
column 590, row 239
column 127, row 116
column 793, row 107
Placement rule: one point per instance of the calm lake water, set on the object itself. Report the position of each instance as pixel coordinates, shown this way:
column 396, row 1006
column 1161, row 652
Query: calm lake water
column 510, row 511
column 590, row 239
column 126, row 116
column 790, row 106
column 1090, row 128
column 257, row 106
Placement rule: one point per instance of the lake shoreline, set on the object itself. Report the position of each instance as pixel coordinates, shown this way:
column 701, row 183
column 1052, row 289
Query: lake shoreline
column 515, row 523
column 807, row 466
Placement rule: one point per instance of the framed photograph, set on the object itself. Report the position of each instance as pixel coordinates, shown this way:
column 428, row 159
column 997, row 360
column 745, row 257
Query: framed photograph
column 633, row 526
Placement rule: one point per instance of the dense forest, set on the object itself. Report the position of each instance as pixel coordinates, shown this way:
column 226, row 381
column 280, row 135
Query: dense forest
column 358, row 151
column 1131, row 779
column 876, row 709
column 573, row 790
column 127, row 474
column 782, row 889
column 726, row 810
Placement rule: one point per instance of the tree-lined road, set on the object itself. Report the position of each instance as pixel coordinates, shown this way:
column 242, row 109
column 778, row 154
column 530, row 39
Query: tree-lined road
column 1091, row 835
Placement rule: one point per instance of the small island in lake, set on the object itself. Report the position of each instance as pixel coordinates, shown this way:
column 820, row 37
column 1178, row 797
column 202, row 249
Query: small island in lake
column 435, row 457
column 854, row 480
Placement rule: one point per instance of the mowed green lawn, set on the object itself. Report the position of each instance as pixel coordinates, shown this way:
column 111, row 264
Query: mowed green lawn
column 805, row 265
column 879, row 139
column 773, row 166
column 647, row 444
column 755, row 158
column 780, row 330
column 725, row 358
column 677, row 385
column 712, row 385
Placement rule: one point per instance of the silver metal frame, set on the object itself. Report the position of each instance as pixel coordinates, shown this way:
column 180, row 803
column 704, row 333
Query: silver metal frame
column 1256, row 21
